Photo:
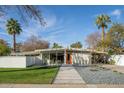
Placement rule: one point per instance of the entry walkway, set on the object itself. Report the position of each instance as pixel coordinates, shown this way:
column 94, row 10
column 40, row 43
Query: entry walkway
column 68, row 75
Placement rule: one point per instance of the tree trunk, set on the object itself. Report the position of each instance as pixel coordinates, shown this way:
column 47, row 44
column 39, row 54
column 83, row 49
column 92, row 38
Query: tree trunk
column 103, row 34
column 103, row 37
column 14, row 43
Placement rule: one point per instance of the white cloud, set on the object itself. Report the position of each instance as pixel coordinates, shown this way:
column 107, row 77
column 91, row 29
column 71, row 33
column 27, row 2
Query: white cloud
column 57, row 32
column 53, row 29
column 50, row 21
column 53, row 35
column 3, row 33
column 117, row 13
column 3, row 20
column 33, row 28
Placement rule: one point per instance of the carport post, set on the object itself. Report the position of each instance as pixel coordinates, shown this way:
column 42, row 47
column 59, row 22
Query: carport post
column 41, row 58
column 65, row 56
column 56, row 57
column 91, row 58
column 49, row 59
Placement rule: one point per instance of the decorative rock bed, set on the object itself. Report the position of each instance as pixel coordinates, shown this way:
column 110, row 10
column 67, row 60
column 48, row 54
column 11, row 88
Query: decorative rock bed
column 100, row 75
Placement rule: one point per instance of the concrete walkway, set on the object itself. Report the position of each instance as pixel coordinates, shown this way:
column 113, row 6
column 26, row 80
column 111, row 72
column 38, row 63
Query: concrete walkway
column 68, row 75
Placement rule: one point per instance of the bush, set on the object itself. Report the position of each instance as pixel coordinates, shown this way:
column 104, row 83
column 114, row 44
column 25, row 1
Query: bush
column 4, row 50
column 111, row 62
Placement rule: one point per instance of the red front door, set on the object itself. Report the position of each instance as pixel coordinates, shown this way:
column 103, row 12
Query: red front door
column 68, row 59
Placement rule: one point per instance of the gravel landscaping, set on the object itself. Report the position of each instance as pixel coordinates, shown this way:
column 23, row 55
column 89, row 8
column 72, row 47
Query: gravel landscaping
column 100, row 75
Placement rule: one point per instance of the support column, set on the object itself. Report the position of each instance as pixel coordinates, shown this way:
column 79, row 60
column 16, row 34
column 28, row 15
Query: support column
column 71, row 58
column 65, row 56
column 56, row 58
column 49, row 59
column 41, row 59
column 91, row 58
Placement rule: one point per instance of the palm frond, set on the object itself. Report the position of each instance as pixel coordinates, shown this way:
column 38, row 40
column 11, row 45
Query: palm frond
column 13, row 27
column 102, row 20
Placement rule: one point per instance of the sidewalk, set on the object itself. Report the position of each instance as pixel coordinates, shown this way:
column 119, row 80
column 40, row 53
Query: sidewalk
column 60, row 86
column 68, row 75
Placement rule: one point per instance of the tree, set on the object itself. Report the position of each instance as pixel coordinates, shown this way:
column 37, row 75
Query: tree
column 115, row 38
column 93, row 39
column 102, row 21
column 24, row 12
column 13, row 28
column 3, row 42
column 4, row 48
column 76, row 45
column 55, row 45
column 33, row 43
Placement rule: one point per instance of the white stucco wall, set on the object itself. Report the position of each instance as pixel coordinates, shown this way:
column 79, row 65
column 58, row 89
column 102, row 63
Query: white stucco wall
column 12, row 62
column 30, row 60
column 81, row 58
column 38, row 60
column 119, row 59
column 17, row 61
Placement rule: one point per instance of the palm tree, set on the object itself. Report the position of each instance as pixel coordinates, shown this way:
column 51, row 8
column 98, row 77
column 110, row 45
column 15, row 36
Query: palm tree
column 102, row 21
column 13, row 28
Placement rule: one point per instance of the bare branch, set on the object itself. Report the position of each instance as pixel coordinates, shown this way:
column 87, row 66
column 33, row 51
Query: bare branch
column 26, row 12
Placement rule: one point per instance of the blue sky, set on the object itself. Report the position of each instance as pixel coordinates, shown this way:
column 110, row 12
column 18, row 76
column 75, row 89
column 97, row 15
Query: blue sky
column 65, row 24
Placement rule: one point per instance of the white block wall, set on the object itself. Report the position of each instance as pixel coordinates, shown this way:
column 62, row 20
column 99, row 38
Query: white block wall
column 13, row 62
column 119, row 59
column 38, row 60
column 81, row 58
column 30, row 60
column 16, row 61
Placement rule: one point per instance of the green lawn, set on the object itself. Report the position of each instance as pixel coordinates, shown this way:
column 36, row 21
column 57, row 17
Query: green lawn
column 30, row 75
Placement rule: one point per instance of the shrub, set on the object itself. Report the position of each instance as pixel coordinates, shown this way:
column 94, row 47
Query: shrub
column 4, row 50
column 111, row 62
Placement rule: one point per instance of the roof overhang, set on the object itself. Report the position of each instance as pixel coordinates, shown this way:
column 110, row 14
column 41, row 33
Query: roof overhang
column 58, row 50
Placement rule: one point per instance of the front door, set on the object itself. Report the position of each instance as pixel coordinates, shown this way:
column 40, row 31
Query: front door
column 68, row 59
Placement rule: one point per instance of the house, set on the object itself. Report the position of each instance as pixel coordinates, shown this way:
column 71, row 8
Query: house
column 65, row 56
column 55, row 56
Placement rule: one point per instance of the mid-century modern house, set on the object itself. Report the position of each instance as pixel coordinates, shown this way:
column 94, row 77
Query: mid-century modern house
column 49, row 57
column 65, row 56
column 58, row 56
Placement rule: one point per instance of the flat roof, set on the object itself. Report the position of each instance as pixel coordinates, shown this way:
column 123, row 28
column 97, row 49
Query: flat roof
column 53, row 50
